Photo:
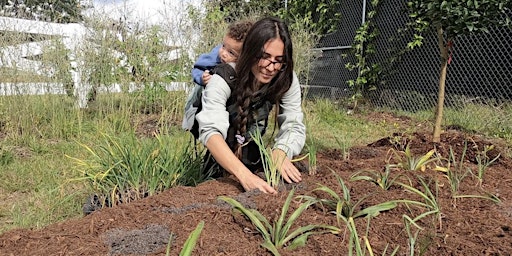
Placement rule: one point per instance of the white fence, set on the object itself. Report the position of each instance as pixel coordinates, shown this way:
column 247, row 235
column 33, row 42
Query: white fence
column 19, row 57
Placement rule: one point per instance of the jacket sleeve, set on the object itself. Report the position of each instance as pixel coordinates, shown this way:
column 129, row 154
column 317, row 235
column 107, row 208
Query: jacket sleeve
column 204, row 62
column 292, row 131
column 214, row 118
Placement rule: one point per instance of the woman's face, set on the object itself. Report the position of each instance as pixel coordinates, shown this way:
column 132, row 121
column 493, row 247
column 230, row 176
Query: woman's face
column 271, row 62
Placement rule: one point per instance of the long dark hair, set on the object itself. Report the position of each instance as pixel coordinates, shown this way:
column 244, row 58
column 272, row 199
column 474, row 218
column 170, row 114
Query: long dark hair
column 260, row 33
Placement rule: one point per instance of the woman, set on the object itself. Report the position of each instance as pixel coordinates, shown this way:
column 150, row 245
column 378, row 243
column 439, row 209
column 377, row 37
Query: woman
column 264, row 71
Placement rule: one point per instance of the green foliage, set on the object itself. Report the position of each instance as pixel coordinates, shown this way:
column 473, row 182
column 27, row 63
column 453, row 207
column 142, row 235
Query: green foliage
column 272, row 174
column 343, row 206
column 413, row 237
column 430, row 200
column 311, row 121
column 46, row 10
column 460, row 16
column 56, row 62
column 6, row 157
column 382, row 179
column 346, row 210
column 212, row 26
column 138, row 56
column 454, row 170
column 451, row 19
column 312, row 160
column 39, row 130
column 29, row 118
column 408, row 161
column 277, row 234
column 189, row 245
column 363, row 47
column 124, row 169
column 319, row 16
column 484, row 161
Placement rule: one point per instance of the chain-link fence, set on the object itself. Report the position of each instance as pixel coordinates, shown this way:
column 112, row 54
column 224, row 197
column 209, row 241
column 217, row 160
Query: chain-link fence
column 480, row 70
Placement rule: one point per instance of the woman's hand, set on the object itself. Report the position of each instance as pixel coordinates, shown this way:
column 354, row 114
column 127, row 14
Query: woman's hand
column 289, row 172
column 250, row 181
column 225, row 157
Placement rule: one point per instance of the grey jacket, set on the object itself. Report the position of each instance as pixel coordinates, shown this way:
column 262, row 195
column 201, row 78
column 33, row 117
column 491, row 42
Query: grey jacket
column 214, row 118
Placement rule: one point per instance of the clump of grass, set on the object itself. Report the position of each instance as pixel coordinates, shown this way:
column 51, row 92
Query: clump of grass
column 127, row 168
column 483, row 162
column 272, row 174
column 347, row 210
column 456, row 172
column 276, row 235
column 383, row 179
column 430, row 200
column 343, row 205
column 412, row 236
column 312, row 152
column 454, row 169
column 408, row 161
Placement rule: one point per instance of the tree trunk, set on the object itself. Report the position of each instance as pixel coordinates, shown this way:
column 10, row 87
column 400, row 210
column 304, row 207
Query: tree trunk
column 442, row 83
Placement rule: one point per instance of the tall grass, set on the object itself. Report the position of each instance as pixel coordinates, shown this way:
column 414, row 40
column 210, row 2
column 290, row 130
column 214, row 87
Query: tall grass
column 122, row 169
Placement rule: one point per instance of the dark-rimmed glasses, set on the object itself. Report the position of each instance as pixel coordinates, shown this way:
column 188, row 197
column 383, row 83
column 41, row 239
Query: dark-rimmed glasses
column 278, row 65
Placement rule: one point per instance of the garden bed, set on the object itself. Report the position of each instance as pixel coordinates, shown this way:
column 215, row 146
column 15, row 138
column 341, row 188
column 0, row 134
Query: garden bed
column 462, row 226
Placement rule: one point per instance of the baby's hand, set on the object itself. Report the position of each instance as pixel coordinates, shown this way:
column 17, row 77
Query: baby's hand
column 206, row 77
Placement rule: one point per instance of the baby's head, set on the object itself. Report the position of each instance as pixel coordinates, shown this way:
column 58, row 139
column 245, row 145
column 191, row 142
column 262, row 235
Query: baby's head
column 233, row 41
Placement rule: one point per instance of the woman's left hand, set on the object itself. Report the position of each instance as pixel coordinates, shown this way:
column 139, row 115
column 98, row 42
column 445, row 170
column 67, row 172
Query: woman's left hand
column 289, row 172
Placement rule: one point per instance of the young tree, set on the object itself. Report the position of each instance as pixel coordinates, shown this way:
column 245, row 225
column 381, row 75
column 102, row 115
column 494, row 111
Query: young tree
column 451, row 19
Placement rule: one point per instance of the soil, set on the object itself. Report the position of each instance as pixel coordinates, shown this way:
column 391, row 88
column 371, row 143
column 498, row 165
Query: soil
column 464, row 226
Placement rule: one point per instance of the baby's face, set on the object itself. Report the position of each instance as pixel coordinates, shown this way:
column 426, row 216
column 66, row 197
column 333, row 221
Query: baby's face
column 230, row 50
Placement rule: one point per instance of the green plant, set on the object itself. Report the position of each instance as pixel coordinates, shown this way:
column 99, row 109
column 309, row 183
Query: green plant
column 484, row 161
column 126, row 168
column 355, row 241
column 312, row 151
column 382, row 179
column 363, row 47
column 311, row 121
column 343, row 206
column 277, row 235
column 344, row 145
column 272, row 174
column 430, row 200
column 413, row 237
column 6, row 157
column 345, row 210
column 410, row 162
column 189, row 245
column 454, row 171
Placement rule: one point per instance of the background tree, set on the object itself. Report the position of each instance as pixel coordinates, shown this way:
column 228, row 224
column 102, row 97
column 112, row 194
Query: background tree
column 452, row 19
column 321, row 16
column 43, row 10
